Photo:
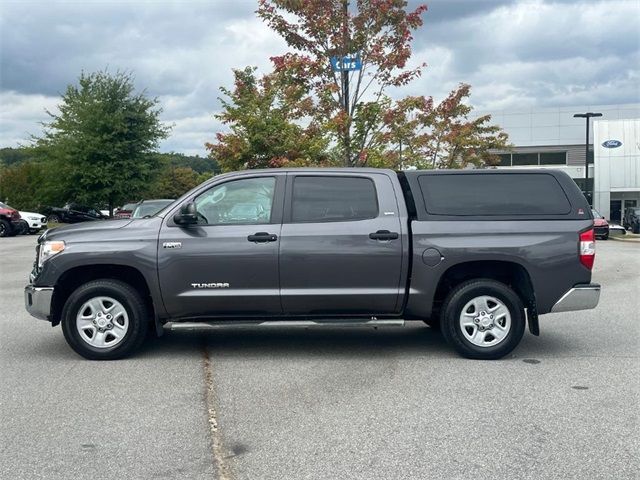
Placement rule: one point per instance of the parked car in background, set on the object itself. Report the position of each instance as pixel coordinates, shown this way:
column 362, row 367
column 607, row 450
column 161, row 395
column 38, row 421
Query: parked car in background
column 614, row 228
column 600, row 224
column 9, row 221
column 631, row 219
column 148, row 208
column 35, row 221
column 126, row 211
column 73, row 213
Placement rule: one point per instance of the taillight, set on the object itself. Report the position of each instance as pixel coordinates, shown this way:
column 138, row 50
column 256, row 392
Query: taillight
column 587, row 248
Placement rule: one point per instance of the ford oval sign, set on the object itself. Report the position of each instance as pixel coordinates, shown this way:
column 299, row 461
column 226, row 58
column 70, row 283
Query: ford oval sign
column 612, row 144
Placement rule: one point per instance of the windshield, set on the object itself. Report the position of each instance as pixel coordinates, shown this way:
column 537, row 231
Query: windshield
column 4, row 205
column 148, row 209
column 596, row 214
column 129, row 206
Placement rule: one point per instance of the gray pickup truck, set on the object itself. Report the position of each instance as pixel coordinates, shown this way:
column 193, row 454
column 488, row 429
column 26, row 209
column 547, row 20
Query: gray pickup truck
column 477, row 253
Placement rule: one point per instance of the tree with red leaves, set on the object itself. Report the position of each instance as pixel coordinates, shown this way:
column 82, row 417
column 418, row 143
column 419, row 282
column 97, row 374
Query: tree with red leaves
column 379, row 31
column 302, row 114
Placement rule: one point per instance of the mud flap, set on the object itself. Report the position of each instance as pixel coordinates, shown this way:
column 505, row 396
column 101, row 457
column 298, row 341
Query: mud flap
column 532, row 320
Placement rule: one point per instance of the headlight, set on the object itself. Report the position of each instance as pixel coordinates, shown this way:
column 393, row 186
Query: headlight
column 49, row 249
column 33, row 218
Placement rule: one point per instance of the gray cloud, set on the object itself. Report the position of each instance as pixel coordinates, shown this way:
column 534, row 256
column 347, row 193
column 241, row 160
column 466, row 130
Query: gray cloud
column 515, row 54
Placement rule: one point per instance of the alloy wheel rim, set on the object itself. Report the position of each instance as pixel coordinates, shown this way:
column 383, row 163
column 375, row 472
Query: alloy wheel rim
column 102, row 322
column 485, row 321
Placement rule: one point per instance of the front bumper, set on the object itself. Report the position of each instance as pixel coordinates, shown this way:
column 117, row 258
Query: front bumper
column 37, row 301
column 580, row 297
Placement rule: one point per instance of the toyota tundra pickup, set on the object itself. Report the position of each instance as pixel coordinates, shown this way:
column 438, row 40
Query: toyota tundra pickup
column 479, row 254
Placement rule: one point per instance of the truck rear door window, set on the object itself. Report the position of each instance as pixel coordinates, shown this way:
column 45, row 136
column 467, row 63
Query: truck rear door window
column 493, row 194
column 333, row 199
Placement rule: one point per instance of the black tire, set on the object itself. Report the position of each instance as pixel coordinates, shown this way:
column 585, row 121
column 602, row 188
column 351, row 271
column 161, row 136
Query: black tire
column 635, row 228
column 53, row 218
column 5, row 228
column 605, row 236
column 456, row 301
column 132, row 303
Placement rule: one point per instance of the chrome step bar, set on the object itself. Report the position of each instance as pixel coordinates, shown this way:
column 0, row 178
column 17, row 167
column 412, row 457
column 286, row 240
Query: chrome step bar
column 332, row 322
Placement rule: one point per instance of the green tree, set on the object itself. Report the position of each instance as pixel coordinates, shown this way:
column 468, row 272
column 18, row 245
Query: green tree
column 266, row 117
column 101, row 139
column 172, row 182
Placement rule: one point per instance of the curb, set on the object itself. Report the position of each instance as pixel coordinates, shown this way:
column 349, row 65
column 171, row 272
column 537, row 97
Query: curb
column 630, row 237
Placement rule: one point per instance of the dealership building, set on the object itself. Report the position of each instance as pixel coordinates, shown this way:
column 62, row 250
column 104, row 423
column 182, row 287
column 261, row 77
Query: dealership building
column 553, row 138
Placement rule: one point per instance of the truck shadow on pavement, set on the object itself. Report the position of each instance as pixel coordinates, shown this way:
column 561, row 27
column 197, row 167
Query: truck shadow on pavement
column 296, row 342
column 413, row 340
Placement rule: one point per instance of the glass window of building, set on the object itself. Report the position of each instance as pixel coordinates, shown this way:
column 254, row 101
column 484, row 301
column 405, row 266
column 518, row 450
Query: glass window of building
column 523, row 159
column 553, row 158
column 505, row 159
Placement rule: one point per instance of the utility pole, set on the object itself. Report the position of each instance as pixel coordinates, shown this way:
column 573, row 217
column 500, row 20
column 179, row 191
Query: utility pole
column 345, row 84
column 587, row 116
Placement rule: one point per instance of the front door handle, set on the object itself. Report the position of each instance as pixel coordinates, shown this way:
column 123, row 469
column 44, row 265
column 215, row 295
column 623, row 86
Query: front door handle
column 383, row 235
column 262, row 237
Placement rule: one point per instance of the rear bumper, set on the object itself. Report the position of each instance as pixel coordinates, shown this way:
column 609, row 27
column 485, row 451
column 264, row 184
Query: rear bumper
column 580, row 297
column 37, row 301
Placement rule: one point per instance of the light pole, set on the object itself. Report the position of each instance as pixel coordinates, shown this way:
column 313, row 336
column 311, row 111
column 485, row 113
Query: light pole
column 587, row 116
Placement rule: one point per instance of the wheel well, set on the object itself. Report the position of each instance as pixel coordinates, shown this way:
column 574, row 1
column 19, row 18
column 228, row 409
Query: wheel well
column 509, row 273
column 75, row 277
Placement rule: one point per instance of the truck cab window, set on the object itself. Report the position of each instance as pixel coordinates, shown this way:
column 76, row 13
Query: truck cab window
column 246, row 201
column 333, row 199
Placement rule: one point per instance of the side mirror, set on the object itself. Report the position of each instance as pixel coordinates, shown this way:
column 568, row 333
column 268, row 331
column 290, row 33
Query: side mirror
column 187, row 215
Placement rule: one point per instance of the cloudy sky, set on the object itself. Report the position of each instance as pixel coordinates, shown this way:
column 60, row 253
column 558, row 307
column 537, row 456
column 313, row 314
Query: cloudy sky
column 515, row 54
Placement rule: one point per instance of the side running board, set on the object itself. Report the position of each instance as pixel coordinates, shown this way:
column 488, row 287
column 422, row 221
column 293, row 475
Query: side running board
column 332, row 322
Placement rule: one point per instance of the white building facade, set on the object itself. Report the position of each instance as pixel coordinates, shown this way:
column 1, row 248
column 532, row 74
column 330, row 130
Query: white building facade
column 617, row 166
column 553, row 138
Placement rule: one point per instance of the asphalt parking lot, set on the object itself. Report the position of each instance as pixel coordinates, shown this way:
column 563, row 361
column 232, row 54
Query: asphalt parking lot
column 319, row 404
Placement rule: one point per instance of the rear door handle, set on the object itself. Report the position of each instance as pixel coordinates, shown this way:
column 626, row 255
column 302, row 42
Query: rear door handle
column 383, row 235
column 262, row 237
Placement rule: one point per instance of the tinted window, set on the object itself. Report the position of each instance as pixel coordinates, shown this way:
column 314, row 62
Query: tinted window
column 333, row 199
column 246, row 201
column 493, row 194
column 553, row 158
column 525, row 159
column 505, row 159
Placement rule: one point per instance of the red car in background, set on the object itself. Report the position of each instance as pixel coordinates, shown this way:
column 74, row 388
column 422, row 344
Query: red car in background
column 10, row 222
column 600, row 225
column 126, row 211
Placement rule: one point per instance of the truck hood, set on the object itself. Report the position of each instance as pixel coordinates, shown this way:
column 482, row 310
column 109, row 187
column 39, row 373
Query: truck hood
column 78, row 229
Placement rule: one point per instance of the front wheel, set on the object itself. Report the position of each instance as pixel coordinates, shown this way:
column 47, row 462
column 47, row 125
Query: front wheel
column 483, row 319
column 105, row 320
column 5, row 228
column 53, row 218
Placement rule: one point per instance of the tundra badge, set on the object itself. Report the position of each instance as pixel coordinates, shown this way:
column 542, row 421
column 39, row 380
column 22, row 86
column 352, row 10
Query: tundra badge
column 210, row 285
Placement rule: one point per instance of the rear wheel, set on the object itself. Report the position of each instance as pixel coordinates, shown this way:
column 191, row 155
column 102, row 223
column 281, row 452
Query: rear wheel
column 483, row 319
column 636, row 228
column 105, row 320
column 53, row 218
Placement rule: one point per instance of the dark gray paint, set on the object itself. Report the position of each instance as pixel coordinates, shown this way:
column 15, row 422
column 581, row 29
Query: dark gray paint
column 322, row 268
